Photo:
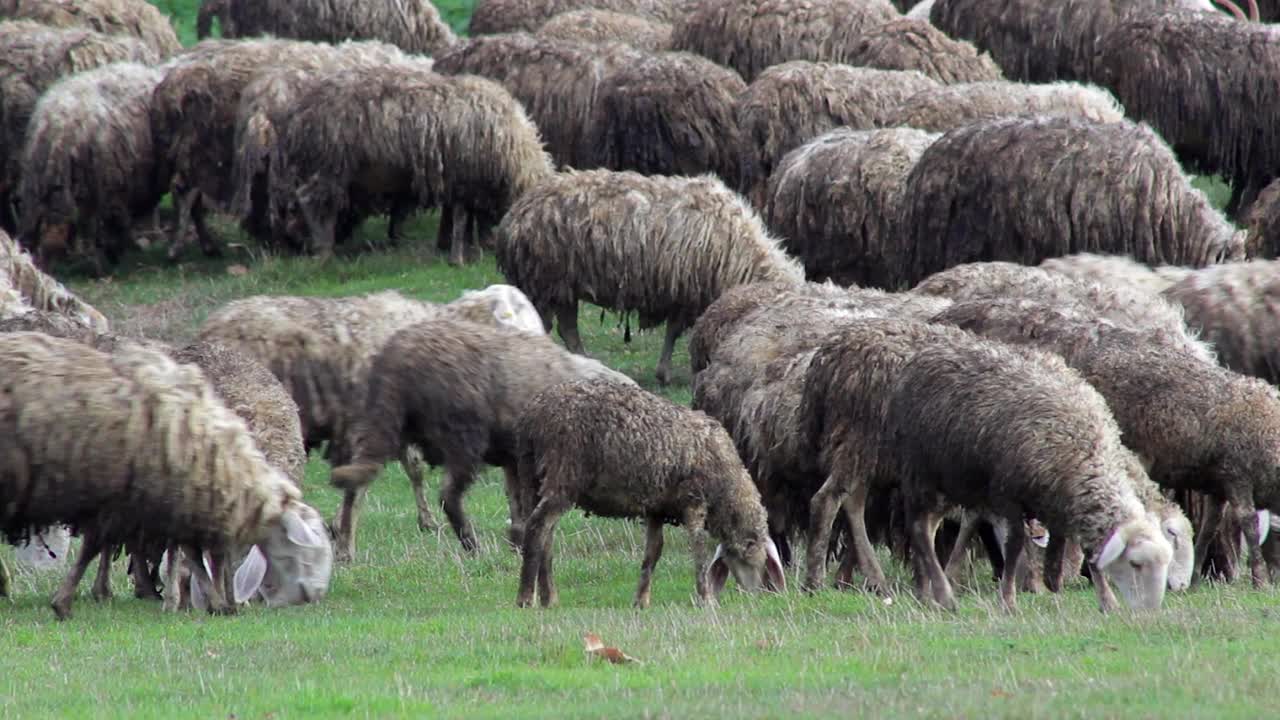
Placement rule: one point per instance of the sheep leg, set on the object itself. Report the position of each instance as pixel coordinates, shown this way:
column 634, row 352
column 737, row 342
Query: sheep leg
column 323, row 231
column 102, row 581
column 395, row 221
column 345, row 550
column 4, row 579
column 183, row 200
column 1204, row 536
column 213, row 585
column 923, row 526
column 546, row 578
column 968, row 525
column 822, row 513
column 455, row 485
column 89, row 549
column 567, row 324
column 172, row 579
column 537, row 537
column 444, row 233
column 458, row 243
column 1247, row 518
column 652, row 552
column 144, row 583
column 695, row 521
column 856, row 507
column 1014, row 545
column 1106, row 598
column 844, row 576
column 417, row 478
column 1053, row 557
column 675, row 328
column 511, row 484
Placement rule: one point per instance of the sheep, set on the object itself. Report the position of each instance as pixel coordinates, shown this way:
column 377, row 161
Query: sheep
column 362, row 135
column 1231, row 307
column 265, row 105
column 792, row 103
column 197, row 478
column 1037, row 42
column 1026, row 189
column 89, row 163
column 1116, row 270
column 414, row 26
column 1263, row 220
column 193, row 123
column 18, row 270
column 606, row 26
column 456, row 389
column 668, row 114
column 908, row 44
column 490, row 17
column 946, row 107
column 1154, row 417
column 136, row 18
column 660, row 246
column 835, row 202
column 616, row 450
column 883, row 397
column 1119, row 305
column 321, row 350
column 557, row 81
column 753, row 35
column 32, row 58
column 1208, row 62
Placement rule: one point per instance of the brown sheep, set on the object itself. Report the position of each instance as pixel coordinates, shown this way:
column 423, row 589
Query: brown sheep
column 41, row 291
column 616, row 450
column 946, row 107
column 606, row 26
column 662, row 247
column 908, row 44
column 490, row 17
column 414, row 26
column 136, row 18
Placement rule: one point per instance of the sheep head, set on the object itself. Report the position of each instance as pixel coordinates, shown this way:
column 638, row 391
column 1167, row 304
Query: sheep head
column 293, row 565
column 1177, row 530
column 755, row 564
column 1136, row 557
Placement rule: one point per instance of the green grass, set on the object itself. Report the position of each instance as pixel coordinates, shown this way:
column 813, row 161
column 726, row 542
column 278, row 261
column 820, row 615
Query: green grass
column 411, row 628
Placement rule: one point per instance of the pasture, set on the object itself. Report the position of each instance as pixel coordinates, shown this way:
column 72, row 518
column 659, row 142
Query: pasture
column 412, row 628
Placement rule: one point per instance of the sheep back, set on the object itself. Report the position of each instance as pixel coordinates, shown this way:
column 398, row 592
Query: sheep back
column 606, row 26
column 908, row 44
column 135, row 18
column 943, row 108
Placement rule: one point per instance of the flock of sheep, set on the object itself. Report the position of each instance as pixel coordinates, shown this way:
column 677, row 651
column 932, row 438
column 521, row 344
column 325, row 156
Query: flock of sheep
column 940, row 266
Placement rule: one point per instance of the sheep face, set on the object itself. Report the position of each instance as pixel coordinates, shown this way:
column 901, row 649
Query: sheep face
column 1136, row 559
column 297, row 563
column 1177, row 530
column 755, row 564
column 511, row 308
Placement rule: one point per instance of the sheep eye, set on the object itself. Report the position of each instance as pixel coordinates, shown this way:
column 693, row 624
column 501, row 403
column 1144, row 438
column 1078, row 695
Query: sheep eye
column 1136, row 566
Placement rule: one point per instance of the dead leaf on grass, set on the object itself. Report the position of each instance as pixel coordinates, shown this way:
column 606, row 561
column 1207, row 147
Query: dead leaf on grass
column 596, row 648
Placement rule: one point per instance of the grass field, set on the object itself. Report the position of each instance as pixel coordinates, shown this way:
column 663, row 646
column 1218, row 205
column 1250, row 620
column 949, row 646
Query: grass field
column 413, row 629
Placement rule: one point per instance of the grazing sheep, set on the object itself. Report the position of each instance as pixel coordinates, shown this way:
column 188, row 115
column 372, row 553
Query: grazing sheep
column 606, row 26
column 411, row 25
column 668, row 114
column 1026, row 189
column 945, row 107
column 321, row 350
column 362, row 136
column 136, row 18
column 455, row 389
column 884, row 396
column 32, row 58
column 1116, row 270
column 615, row 450
column 41, row 291
column 1210, row 64
column 663, row 247
column 792, row 103
column 265, row 106
column 89, row 165
column 908, row 44
column 557, row 81
column 1038, row 42
column 835, row 202
column 1120, row 305
column 1156, row 418
column 193, row 123
column 753, row 35
column 490, row 17
column 196, row 479
column 1232, row 307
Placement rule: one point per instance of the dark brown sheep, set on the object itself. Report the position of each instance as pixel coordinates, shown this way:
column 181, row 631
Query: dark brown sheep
column 616, row 450
column 1233, row 308
column 412, row 25
column 908, row 44
column 500, row 16
column 1026, row 189
column 793, row 103
column 606, row 26
column 753, row 35
column 136, row 18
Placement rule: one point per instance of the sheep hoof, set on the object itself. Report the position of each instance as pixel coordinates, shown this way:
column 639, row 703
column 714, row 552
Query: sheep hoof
column 664, row 377
column 426, row 523
column 524, row 602
column 642, row 602
column 101, row 594
column 343, row 554
column 61, row 608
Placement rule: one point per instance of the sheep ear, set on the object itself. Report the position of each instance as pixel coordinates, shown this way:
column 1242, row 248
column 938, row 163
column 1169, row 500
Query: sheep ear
column 298, row 532
column 775, row 578
column 1264, row 525
column 249, row 577
column 1111, row 549
column 717, row 572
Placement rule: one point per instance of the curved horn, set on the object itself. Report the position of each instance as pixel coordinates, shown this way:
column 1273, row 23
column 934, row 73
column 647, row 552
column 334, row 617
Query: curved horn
column 1233, row 8
column 1254, row 13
